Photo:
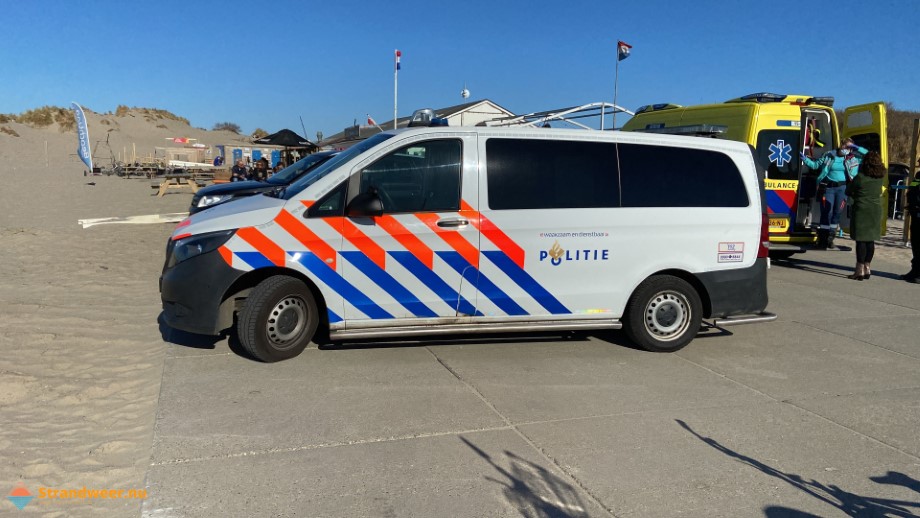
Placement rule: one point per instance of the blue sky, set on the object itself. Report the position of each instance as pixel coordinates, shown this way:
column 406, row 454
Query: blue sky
column 265, row 64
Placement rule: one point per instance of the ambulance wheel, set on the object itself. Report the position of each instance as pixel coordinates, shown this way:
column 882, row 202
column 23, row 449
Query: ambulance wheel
column 278, row 320
column 664, row 314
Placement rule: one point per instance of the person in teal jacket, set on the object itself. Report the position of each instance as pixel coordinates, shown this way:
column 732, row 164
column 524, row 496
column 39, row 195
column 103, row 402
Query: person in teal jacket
column 837, row 168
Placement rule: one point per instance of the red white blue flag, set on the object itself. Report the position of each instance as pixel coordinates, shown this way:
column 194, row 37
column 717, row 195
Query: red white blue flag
column 398, row 55
column 622, row 50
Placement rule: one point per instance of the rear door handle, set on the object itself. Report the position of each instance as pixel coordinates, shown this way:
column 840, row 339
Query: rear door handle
column 453, row 223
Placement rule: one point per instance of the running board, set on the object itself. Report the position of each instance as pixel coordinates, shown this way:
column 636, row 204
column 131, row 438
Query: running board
column 744, row 319
column 485, row 327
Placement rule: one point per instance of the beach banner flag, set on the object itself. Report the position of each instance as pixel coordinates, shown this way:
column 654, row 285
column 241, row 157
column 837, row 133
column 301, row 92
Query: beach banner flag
column 82, row 136
column 622, row 50
column 398, row 55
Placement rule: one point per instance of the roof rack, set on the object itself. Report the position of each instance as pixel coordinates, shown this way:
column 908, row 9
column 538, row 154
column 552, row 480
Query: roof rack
column 537, row 119
column 699, row 130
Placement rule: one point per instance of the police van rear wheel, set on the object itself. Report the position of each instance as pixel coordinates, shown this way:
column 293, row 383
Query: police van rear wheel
column 664, row 314
column 278, row 320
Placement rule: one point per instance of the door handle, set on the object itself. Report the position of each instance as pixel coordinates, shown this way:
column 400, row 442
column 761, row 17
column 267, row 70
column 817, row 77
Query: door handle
column 453, row 223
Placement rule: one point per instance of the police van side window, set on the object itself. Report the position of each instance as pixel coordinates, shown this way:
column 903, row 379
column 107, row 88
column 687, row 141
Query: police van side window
column 330, row 205
column 663, row 176
column 550, row 174
column 420, row 177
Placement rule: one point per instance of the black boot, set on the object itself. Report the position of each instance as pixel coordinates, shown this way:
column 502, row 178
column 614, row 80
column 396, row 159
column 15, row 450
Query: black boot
column 830, row 240
column 822, row 239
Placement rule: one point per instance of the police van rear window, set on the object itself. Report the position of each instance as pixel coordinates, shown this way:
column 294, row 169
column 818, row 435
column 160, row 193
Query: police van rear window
column 664, row 176
column 556, row 174
column 551, row 174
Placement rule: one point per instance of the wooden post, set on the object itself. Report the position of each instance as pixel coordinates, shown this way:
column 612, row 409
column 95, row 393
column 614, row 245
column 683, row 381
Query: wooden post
column 913, row 171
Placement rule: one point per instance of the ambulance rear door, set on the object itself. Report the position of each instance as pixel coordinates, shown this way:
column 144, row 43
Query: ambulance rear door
column 867, row 125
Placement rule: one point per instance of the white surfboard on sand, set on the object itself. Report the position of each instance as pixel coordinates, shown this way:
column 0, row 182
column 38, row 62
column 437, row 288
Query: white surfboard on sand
column 135, row 220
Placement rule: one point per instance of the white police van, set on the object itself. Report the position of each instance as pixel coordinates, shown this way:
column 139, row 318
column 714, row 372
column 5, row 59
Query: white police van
column 443, row 230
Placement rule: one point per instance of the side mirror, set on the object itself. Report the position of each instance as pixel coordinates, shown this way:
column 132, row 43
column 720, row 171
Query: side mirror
column 365, row 205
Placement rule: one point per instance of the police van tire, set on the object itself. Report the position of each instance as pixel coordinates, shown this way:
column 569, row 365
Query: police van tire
column 663, row 314
column 278, row 320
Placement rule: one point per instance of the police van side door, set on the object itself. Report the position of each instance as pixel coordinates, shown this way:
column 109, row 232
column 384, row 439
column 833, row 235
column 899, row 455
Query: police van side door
column 416, row 258
column 546, row 204
column 867, row 125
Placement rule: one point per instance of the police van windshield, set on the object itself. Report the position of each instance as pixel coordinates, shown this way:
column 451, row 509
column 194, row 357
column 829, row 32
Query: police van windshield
column 291, row 172
column 332, row 164
column 778, row 153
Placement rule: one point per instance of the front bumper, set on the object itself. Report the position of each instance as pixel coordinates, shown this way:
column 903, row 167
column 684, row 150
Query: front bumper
column 193, row 290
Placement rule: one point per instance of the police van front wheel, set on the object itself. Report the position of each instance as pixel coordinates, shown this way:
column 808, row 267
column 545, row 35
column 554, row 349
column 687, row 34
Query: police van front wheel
column 278, row 320
column 664, row 314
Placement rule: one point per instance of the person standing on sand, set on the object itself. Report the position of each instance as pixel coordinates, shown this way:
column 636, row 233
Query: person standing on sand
column 865, row 226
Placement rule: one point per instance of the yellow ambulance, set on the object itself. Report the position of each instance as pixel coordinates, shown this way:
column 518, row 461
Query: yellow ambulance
column 778, row 127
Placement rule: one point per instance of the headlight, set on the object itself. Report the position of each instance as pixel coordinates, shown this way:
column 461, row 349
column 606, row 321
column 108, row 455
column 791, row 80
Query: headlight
column 189, row 247
column 207, row 201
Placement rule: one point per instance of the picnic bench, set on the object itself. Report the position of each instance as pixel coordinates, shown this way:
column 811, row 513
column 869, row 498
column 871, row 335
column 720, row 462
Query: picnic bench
column 176, row 181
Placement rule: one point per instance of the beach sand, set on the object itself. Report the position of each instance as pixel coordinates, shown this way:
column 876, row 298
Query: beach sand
column 81, row 353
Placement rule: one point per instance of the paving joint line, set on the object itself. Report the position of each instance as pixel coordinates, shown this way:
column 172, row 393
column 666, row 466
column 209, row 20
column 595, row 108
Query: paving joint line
column 803, row 409
column 337, row 444
column 156, row 426
column 855, row 339
column 522, row 435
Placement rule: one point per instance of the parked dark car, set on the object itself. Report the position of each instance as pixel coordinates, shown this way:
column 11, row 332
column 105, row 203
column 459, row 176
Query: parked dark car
column 218, row 194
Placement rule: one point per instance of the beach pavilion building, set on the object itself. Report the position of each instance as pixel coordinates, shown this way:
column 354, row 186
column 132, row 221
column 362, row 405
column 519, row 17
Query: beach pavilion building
column 467, row 114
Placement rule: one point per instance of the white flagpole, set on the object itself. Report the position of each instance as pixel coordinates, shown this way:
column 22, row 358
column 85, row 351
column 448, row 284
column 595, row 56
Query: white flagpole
column 395, row 85
column 616, row 83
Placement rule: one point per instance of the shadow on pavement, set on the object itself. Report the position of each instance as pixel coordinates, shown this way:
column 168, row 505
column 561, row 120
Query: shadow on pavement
column 433, row 341
column 813, row 266
column 532, row 489
column 195, row 341
column 849, row 503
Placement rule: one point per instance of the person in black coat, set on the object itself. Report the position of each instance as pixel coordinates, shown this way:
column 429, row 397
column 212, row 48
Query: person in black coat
column 913, row 209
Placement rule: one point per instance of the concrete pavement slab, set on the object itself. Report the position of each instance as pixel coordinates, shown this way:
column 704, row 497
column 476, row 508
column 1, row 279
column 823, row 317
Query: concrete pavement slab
column 544, row 381
column 895, row 333
column 891, row 416
column 491, row 474
column 837, row 298
column 767, row 459
column 794, row 360
column 816, row 274
column 217, row 405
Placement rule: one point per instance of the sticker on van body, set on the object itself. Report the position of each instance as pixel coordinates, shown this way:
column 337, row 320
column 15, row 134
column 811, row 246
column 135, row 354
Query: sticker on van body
column 780, row 153
column 731, row 252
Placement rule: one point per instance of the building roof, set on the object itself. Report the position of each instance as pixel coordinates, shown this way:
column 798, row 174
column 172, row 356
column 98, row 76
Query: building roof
column 350, row 136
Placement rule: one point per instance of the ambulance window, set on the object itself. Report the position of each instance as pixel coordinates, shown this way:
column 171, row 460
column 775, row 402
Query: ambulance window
column 870, row 141
column 778, row 153
column 420, row 177
column 664, row 176
column 332, row 204
column 551, row 174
